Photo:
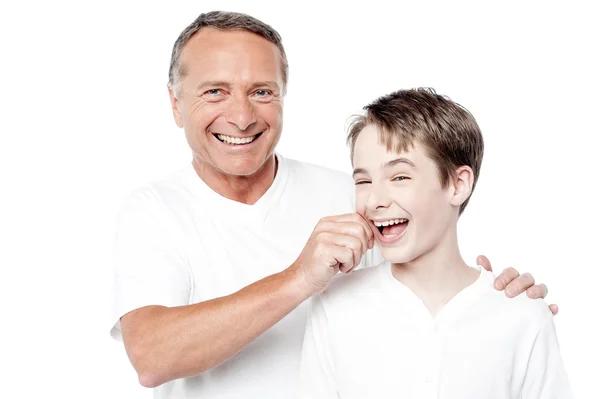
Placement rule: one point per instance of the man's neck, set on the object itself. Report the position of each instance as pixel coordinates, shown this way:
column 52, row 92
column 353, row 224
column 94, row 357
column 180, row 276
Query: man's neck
column 437, row 275
column 245, row 189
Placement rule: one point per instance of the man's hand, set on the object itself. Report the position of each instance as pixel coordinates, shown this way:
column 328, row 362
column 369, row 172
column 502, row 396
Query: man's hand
column 514, row 284
column 336, row 244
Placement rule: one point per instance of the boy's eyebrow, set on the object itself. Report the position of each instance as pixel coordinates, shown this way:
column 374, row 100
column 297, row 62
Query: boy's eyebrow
column 359, row 170
column 388, row 164
column 396, row 161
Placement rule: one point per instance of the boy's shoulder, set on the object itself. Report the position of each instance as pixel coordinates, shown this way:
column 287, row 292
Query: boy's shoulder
column 359, row 286
column 520, row 310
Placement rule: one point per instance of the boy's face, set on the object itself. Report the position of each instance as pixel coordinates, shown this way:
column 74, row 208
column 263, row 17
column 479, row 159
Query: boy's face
column 401, row 195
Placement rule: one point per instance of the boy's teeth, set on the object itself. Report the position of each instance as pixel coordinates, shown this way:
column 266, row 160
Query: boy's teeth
column 235, row 140
column 390, row 222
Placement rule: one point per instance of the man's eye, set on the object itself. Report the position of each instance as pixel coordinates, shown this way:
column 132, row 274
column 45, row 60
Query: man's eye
column 263, row 93
column 400, row 178
column 362, row 182
column 214, row 95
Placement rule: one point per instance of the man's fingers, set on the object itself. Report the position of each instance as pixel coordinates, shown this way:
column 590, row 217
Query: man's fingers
column 553, row 309
column 519, row 285
column 348, row 229
column 484, row 262
column 355, row 245
column 537, row 291
column 344, row 256
column 351, row 218
column 367, row 225
column 505, row 277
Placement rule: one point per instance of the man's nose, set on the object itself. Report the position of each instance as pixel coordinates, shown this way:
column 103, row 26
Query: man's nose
column 240, row 112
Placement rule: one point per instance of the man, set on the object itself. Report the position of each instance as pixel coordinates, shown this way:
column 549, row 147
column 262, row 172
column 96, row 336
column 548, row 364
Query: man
column 214, row 263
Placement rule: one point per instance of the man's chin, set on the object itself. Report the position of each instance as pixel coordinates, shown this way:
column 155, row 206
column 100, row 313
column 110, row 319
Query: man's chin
column 243, row 167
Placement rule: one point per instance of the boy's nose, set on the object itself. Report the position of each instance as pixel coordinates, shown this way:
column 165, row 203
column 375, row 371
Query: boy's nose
column 378, row 199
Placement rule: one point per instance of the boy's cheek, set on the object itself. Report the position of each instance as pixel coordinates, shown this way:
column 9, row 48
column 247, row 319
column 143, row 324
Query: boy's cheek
column 360, row 207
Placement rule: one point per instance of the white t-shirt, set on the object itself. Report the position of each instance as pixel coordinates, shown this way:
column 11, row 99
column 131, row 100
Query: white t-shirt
column 178, row 243
column 369, row 336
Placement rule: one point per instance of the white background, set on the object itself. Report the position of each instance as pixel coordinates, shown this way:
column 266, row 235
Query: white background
column 85, row 119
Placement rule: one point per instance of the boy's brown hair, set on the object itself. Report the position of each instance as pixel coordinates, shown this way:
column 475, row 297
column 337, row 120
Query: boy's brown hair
column 447, row 130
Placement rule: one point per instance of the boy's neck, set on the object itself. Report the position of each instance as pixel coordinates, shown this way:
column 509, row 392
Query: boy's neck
column 437, row 275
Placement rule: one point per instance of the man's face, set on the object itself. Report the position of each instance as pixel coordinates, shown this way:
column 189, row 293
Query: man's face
column 400, row 194
column 230, row 100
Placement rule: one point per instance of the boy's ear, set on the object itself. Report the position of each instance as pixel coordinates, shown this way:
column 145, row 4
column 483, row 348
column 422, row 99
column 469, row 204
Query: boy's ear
column 461, row 185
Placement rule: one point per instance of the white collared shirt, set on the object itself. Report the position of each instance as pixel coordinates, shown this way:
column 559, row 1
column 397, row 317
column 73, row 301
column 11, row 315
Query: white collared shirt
column 369, row 336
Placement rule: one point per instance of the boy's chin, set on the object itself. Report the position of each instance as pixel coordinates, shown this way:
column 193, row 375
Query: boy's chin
column 392, row 256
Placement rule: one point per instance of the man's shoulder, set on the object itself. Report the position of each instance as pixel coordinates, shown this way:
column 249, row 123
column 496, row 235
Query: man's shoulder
column 318, row 174
column 157, row 193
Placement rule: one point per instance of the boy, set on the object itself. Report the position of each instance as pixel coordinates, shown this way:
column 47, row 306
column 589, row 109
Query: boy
column 423, row 324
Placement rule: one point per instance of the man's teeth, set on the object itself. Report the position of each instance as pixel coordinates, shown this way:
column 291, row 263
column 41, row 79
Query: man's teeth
column 390, row 222
column 236, row 140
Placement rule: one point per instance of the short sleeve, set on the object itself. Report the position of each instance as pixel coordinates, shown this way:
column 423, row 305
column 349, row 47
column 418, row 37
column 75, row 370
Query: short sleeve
column 546, row 377
column 317, row 378
column 148, row 268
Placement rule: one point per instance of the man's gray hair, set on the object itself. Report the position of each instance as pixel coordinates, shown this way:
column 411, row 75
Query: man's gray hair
column 226, row 21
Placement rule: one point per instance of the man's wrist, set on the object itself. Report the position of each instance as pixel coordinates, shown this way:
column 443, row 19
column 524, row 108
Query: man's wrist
column 296, row 283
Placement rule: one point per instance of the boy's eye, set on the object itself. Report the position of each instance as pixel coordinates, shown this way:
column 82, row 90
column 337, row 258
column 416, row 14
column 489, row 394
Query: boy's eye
column 400, row 178
column 362, row 182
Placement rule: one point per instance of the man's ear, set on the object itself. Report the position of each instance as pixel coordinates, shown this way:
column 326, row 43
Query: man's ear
column 461, row 185
column 175, row 104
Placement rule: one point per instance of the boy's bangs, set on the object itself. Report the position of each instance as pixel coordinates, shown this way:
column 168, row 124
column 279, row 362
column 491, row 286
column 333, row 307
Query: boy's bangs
column 396, row 140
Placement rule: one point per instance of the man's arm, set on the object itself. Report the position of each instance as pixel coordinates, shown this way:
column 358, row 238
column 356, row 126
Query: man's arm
column 168, row 343
column 165, row 343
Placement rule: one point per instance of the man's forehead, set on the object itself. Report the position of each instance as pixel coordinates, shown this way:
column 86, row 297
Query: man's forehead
column 210, row 42
column 246, row 57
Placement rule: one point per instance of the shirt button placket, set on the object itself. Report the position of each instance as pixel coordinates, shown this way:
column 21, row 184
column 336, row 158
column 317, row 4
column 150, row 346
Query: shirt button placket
column 431, row 364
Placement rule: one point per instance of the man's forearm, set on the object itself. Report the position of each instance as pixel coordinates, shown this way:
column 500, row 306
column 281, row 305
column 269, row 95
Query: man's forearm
column 168, row 343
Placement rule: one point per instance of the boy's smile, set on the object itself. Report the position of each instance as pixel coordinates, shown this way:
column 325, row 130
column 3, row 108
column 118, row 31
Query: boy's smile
column 388, row 231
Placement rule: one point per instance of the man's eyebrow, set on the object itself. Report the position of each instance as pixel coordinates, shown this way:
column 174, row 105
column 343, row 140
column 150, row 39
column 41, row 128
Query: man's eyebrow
column 221, row 83
column 358, row 170
column 213, row 83
column 263, row 83
column 396, row 161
